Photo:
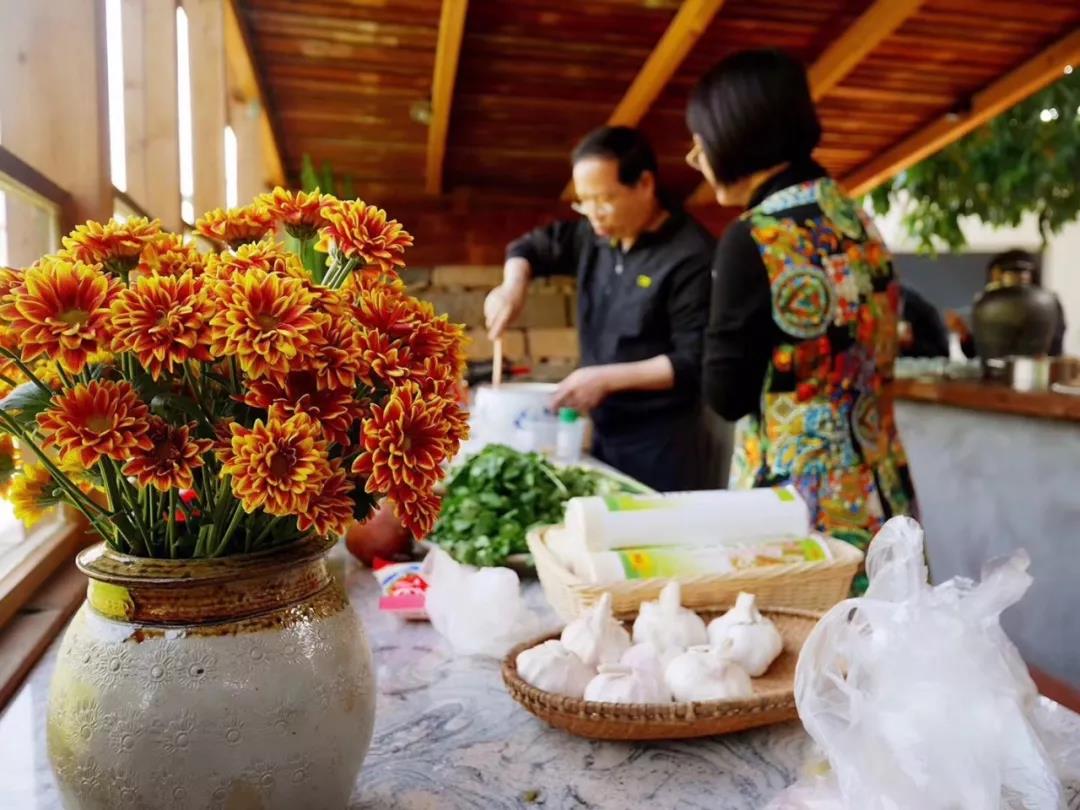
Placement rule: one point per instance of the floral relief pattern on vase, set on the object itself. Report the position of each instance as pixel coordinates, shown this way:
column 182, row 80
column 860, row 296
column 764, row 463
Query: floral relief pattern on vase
column 154, row 716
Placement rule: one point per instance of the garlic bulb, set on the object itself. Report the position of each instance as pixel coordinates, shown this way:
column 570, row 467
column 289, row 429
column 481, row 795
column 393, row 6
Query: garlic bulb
column 755, row 641
column 597, row 638
column 704, row 673
column 649, row 665
column 618, row 683
column 667, row 625
column 553, row 668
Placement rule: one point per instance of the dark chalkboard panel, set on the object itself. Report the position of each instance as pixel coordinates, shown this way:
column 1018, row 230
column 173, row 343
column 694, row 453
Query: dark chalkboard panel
column 948, row 280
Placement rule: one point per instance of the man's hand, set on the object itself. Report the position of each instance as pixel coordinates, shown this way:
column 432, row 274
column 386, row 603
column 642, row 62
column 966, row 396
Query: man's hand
column 584, row 389
column 502, row 306
column 956, row 324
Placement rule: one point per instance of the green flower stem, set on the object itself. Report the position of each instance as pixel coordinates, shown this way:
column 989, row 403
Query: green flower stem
column 68, row 382
column 172, row 524
column 339, row 271
column 197, row 394
column 220, row 510
column 117, row 489
column 61, row 478
column 25, row 369
column 270, row 524
column 8, row 381
column 237, row 516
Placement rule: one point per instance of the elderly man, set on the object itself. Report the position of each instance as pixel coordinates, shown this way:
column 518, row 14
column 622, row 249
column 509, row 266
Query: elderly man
column 643, row 288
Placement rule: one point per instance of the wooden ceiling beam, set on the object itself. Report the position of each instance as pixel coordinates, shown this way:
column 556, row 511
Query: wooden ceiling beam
column 842, row 55
column 248, row 83
column 447, row 52
column 993, row 99
column 862, row 36
column 688, row 24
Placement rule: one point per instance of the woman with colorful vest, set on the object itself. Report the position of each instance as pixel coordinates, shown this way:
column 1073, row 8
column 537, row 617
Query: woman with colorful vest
column 803, row 324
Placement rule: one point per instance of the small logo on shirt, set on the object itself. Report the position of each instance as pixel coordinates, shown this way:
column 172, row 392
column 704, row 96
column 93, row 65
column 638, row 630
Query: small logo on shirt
column 644, row 282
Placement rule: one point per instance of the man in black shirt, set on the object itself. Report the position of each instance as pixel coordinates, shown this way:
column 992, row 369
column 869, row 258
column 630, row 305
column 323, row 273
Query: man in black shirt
column 643, row 300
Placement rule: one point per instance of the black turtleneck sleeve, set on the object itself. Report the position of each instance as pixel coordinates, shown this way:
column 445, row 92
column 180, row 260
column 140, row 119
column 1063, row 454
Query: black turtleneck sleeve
column 741, row 332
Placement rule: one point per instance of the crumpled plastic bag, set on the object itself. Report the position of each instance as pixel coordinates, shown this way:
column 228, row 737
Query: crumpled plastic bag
column 919, row 700
column 479, row 611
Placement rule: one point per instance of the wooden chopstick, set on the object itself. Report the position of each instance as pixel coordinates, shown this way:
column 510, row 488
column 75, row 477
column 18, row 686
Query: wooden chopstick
column 496, row 367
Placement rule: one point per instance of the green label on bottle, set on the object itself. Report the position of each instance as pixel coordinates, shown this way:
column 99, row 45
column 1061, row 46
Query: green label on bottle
column 634, row 503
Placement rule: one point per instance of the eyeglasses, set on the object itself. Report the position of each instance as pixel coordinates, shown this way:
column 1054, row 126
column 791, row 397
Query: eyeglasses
column 603, row 209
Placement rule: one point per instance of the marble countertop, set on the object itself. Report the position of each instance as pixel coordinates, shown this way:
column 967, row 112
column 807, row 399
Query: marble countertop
column 447, row 735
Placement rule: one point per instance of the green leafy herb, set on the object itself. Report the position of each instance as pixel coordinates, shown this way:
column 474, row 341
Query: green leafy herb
column 495, row 497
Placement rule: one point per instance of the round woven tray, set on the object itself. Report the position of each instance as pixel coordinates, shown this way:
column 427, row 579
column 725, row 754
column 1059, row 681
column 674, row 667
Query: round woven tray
column 773, row 701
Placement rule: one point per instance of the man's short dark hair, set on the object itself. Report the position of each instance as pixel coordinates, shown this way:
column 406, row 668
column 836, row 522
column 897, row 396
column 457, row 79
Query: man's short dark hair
column 754, row 111
column 625, row 145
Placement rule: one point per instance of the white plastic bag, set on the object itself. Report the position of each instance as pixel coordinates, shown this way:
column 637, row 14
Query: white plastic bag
column 918, row 698
column 479, row 611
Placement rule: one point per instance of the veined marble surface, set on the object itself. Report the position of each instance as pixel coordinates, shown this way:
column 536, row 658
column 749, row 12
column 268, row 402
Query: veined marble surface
column 448, row 736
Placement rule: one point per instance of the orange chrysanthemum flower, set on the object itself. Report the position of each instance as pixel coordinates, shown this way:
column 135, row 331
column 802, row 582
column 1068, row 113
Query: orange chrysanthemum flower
column 336, row 410
column 164, row 321
column 169, row 255
column 403, row 442
column 299, row 212
column 373, row 278
column 359, row 231
column 338, row 361
column 417, row 510
column 237, row 226
column 440, row 341
column 394, row 315
column 268, row 255
column 115, row 245
column 10, row 278
column 268, row 322
column 172, row 458
column 61, row 310
column 382, row 359
column 330, row 511
column 101, row 418
column 277, row 466
column 32, row 492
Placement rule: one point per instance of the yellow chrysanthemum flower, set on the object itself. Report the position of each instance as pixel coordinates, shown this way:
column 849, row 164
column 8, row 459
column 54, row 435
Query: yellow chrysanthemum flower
column 32, row 492
column 360, row 231
column 267, row 321
column 237, row 226
column 61, row 310
column 299, row 213
column 278, row 466
column 100, row 418
column 114, row 245
column 164, row 321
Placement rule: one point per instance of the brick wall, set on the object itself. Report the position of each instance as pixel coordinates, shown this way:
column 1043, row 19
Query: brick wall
column 543, row 338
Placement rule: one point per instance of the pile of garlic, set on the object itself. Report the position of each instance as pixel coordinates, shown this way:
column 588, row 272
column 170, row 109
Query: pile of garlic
column 673, row 655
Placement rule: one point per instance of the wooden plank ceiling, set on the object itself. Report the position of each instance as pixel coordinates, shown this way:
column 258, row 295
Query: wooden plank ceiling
column 350, row 81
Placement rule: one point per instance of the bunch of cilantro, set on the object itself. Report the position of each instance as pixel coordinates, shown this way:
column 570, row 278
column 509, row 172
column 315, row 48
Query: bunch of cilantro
column 494, row 498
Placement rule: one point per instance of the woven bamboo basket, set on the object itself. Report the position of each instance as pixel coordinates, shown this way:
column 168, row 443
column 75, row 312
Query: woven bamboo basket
column 814, row 586
column 773, row 701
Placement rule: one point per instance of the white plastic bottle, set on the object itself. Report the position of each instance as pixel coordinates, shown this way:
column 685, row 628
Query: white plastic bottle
column 569, row 437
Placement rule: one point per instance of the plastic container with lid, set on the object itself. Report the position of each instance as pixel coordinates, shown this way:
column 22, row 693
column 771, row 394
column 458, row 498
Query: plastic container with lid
column 569, row 437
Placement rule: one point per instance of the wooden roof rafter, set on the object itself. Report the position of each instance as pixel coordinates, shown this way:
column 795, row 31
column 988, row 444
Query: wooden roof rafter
column 689, row 23
column 447, row 53
column 841, row 57
column 1000, row 95
column 249, row 82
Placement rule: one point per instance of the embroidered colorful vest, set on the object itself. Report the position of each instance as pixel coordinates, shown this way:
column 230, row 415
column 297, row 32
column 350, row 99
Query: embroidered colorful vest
column 823, row 424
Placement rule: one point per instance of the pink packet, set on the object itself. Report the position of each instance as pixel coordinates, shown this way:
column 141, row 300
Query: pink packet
column 403, row 588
